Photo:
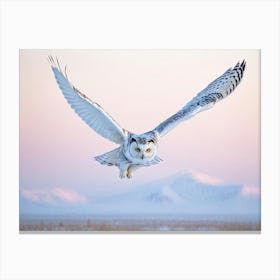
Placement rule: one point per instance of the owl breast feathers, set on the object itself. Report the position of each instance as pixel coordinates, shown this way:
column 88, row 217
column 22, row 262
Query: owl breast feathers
column 134, row 150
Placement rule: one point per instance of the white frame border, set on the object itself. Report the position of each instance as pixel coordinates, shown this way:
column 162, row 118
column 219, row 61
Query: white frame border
column 155, row 24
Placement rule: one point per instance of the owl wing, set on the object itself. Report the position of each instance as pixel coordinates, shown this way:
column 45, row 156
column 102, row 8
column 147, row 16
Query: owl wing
column 90, row 112
column 214, row 92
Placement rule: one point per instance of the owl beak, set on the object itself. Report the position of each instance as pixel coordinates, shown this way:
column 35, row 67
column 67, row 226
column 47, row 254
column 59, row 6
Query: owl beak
column 142, row 156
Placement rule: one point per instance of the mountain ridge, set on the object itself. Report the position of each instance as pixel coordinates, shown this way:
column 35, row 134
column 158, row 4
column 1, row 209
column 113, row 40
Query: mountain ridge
column 181, row 193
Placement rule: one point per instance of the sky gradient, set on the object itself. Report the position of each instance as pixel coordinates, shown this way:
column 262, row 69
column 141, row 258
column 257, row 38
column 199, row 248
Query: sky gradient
column 139, row 89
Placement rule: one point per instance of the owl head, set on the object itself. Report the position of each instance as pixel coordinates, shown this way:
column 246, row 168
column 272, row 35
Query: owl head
column 142, row 148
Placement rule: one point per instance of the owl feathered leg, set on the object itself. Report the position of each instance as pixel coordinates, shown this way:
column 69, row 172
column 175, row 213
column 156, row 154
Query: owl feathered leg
column 123, row 167
column 131, row 169
column 115, row 158
column 126, row 170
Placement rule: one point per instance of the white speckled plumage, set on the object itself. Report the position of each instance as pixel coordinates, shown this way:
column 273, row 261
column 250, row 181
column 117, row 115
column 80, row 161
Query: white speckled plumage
column 141, row 150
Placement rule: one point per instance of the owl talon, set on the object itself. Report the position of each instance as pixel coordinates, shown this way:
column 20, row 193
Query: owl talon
column 129, row 175
column 123, row 174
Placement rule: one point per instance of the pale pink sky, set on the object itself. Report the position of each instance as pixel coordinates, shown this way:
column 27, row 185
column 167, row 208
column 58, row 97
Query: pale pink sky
column 139, row 89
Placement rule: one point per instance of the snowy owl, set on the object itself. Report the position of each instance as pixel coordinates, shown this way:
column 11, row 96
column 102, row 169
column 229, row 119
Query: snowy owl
column 134, row 150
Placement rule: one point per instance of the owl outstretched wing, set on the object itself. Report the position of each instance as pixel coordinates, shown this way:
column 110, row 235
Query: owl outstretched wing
column 214, row 92
column 90, row 112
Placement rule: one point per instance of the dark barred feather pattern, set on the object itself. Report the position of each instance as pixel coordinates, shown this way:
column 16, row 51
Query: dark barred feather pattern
column 222, row 86
column 214, row 92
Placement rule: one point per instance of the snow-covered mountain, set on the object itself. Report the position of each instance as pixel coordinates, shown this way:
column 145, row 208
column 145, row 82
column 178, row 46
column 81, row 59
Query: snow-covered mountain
column 185, row 188
column 180, row 194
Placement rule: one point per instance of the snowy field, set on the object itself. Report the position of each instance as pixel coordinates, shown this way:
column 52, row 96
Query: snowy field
column 139, row 224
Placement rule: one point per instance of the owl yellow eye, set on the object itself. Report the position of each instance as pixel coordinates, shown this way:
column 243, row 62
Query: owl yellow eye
column 148, row 150
column 137, row 150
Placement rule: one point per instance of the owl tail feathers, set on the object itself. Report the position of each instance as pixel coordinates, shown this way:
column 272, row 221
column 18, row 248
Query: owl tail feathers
column 110, row 158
